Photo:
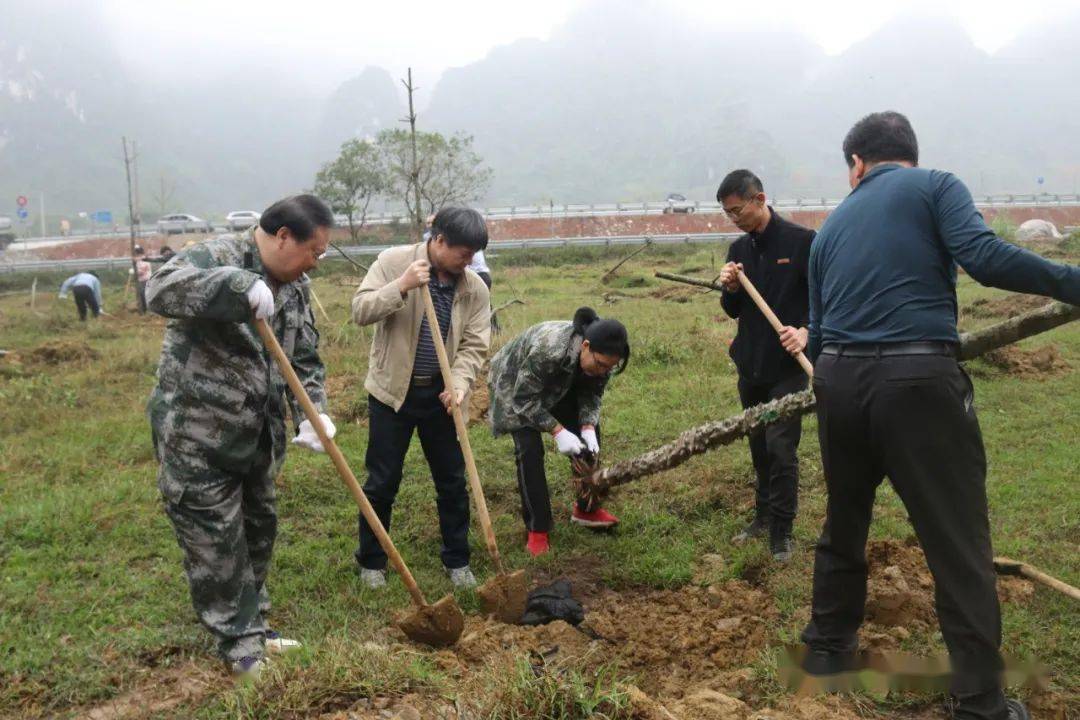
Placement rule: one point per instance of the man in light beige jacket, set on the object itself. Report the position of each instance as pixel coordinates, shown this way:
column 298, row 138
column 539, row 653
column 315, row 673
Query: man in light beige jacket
column 405, row 385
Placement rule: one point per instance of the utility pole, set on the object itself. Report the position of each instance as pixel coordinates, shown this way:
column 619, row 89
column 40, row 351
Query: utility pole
column 42, row 214
column 418, row 219
column 135, row 182
column 128, row 160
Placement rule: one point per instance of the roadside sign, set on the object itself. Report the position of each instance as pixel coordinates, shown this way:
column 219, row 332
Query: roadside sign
column 102, row 216
column 22, row 213
column 21, row 201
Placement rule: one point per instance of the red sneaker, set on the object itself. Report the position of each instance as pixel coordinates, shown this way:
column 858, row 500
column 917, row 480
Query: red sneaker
column 597, row 519
column 537, row 544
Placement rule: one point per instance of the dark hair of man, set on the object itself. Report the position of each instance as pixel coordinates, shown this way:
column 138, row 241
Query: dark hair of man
column 605, row 335
column 741, row 183
column 301, row 214
column 882, row 137
column 461, row 226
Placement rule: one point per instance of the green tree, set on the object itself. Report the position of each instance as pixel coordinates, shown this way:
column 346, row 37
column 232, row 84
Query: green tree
column 448, row 169
column 351, row 181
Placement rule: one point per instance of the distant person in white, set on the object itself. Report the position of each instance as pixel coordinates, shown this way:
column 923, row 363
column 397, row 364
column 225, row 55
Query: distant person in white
column 87, row 291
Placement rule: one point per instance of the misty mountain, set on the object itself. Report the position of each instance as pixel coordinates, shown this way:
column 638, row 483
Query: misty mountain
column 622, row 102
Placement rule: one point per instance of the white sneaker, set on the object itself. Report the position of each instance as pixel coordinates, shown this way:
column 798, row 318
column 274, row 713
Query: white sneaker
column 277, row 645
column 462, row 577
column 248, row 667
column 373, row 579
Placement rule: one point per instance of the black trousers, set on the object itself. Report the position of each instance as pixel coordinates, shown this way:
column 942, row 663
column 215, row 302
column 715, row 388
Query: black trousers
column 84, row 298
column 774, row 451
column 140, row 295
column 910, row 418
column 389, row 435
column 529, row 450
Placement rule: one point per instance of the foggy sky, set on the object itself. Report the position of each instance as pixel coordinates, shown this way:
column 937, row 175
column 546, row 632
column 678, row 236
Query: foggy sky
column 324, row 42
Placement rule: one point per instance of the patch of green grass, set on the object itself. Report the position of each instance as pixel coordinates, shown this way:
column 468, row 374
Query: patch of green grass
column 92, row 592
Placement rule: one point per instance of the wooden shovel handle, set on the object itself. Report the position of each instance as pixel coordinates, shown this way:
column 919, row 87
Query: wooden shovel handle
column 272, row 344
column 462, row 431
column 771, row 317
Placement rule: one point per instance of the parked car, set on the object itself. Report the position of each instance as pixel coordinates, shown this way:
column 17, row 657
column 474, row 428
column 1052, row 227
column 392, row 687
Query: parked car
column 183, row 223
column 677, row 203
column 7, row 232
column 241, row 219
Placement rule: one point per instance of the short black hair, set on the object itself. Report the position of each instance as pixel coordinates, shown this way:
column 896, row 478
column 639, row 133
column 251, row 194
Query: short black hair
column 606, row 336
column 461, row 226
column 301, row 214
column 742, row 183
column 881, row 137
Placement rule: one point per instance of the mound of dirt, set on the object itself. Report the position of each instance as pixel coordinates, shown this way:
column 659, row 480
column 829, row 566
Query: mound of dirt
column 57, row 352
column 674, row 639
column 1005, row 307
column 1043, row 361
column 479, row 401
column 674, row 293
column 900, row 590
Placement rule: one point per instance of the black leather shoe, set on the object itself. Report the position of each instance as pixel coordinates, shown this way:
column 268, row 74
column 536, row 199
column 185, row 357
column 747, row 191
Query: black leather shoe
column 1017, row 710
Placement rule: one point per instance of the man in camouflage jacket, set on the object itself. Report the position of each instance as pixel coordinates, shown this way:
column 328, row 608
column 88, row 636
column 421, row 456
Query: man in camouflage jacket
column 218, row 410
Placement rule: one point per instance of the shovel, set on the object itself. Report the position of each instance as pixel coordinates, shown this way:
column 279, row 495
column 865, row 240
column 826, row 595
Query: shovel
column 505, row 596
column 1006, row 566
column 771, row 317
column 438, row 625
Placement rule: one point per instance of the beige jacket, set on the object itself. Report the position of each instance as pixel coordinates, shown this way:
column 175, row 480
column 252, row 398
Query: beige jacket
column 397, row 326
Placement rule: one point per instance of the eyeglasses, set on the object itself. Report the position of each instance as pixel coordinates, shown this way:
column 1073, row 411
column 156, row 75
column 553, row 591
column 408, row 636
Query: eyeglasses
column 736, row 213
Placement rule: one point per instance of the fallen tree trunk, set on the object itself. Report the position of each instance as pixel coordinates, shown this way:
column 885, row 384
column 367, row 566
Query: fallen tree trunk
column 643, row 248
column 696, row 441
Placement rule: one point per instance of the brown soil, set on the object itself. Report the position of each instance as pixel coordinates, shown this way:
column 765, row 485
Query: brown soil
column 505, row 596
column 1043, row 361
column 479, row 401
column 56, row 352
column 675, row 293
column 1005, row 307
column 900, row 591
column 437, row 625
column 163, row 691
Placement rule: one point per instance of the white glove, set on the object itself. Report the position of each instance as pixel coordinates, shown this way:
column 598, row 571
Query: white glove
column 568, row 443
column 308, row 438
column 261, row 300
column 589, row 436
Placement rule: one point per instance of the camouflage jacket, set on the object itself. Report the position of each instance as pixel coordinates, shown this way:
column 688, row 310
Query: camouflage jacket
column 532, row 372
column 217, row 386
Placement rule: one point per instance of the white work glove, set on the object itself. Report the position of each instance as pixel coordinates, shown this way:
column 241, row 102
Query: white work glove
column 588, row 434
column 308, row 438
column 568, row 443
column 261, row 300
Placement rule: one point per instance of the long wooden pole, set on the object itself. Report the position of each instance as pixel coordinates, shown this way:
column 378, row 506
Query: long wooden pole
column 342, row 466
column 462, row 432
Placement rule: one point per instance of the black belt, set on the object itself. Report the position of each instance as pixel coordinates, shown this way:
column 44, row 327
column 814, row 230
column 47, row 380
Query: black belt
column 425, row 380
column 891, row 349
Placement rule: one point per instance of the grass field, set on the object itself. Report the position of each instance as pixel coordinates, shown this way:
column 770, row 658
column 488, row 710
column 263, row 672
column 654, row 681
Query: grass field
column 94, row 606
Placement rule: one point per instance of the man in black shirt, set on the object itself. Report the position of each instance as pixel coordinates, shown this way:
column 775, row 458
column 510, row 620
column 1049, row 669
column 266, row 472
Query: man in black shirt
column 773, row 254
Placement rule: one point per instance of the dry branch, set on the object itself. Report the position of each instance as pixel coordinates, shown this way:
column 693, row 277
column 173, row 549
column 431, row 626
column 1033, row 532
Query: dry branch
column 690, row 280
column 643, row 248
column 724, row 432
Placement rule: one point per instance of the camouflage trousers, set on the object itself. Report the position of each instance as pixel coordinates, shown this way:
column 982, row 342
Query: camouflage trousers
column 225, row 524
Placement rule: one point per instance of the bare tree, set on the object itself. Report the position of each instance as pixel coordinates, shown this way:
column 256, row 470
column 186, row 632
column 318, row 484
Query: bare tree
column 163, row 195
column 448, row 170
column 350, row 182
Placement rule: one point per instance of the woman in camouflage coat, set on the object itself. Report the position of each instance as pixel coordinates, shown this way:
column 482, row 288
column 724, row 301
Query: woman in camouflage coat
column 551, row 379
